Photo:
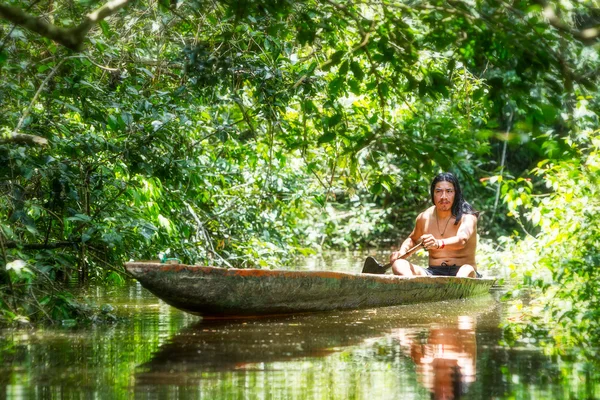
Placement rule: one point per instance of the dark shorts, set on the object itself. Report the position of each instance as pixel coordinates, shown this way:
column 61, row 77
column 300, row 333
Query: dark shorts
column 446, row 270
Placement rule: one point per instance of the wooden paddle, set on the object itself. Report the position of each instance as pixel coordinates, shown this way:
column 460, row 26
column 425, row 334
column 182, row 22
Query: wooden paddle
column 371, row 265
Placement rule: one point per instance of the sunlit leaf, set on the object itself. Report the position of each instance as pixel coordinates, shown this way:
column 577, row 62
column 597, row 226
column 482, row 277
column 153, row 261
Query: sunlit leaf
column 16, row 265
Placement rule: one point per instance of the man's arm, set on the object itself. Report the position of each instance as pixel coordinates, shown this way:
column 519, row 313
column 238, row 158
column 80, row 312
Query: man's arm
column 407, row 244
column 411, row 240
column 468, row 227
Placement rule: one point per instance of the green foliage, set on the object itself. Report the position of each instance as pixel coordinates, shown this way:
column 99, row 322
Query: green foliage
column 560, row 264
column 245, row 133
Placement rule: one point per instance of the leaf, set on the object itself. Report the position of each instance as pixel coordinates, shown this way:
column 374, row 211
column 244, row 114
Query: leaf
column 334, row 120
column 93, row 86
column 334, row 59
column 451, row 66
column 16, row 265
column 319, row 199
column 105, row 29
column 337, row 56
column 80, row 217
column 423, row 88
column 439, row 82
column 343, row 71
column 111, row 238
column 69, row 106
column 146, row 71
column 385, row 89
column 32, row 229
column 7, row 231
column 335, row 85
column 310, row 107
column 354, row 86
column 127, row 118
column 377, row 188
column 327, row 137
column 148, row 231
column 357, row 71
column 164, row 222
column 534, row 9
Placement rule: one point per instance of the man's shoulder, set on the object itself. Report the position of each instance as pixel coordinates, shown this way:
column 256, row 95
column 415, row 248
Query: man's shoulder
column 469, row 218
column 426, row 214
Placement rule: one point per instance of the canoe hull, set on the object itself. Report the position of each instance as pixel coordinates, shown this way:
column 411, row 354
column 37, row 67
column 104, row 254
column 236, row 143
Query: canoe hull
column 220, row 292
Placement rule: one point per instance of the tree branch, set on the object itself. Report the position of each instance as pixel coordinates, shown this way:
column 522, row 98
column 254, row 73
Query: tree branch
column 587, row 36
column 22, row 138
column 364, row 38
column 15, row 133
column 71, row 38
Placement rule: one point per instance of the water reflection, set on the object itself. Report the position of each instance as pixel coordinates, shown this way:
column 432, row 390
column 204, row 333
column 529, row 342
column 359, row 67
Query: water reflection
column 445, row 356
column 386, row 353
column 439, row 338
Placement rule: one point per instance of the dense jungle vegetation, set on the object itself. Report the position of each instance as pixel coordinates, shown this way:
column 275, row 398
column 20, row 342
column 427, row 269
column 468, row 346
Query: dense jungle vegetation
column 247, row 133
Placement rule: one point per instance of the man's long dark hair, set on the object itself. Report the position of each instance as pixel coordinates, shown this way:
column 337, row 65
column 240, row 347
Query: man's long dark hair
column 459, row 206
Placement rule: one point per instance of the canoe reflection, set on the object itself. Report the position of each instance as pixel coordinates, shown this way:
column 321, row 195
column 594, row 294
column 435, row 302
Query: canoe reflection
column 427, row 332
column 445, row 357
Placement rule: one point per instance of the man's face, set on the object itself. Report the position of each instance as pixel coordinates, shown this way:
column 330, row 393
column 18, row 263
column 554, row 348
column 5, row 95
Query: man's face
column 443, row 195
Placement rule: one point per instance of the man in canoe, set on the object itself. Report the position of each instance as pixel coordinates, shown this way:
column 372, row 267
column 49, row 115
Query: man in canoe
column 447, row 230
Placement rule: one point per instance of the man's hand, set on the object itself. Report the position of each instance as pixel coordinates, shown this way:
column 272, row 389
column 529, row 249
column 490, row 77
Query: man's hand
column 429, row 242
column 395, row 255
column 403, row 254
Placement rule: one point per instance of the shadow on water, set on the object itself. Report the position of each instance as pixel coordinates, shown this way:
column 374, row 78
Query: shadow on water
column 434, row 341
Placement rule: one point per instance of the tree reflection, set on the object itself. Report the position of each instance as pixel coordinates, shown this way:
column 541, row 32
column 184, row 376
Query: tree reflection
column 445, row 356
column 361, row 348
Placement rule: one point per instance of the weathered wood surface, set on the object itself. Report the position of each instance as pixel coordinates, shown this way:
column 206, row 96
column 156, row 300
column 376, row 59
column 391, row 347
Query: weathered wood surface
column 223, row 292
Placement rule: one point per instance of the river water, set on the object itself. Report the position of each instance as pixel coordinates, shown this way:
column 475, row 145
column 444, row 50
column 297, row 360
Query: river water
column 444, row 350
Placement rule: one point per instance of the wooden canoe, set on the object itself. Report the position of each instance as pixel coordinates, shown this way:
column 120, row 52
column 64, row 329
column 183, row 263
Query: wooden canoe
column 220, row 292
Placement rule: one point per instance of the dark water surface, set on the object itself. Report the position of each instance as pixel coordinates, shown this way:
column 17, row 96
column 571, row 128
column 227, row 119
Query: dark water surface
column 439, row 350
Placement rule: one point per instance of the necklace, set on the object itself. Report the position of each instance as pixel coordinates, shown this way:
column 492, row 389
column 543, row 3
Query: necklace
column 438, row 224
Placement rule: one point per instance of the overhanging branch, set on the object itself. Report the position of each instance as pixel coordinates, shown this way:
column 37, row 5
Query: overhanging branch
column 21, row 138
column 587, row 36
column 71, row 38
